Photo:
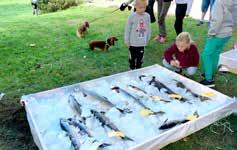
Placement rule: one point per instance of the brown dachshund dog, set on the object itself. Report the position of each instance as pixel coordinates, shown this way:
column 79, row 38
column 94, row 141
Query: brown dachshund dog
column 103, row 45
column 82, row 29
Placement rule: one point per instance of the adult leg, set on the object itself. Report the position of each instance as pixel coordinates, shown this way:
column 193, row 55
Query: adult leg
column 220, row 45
column 163, row 8
column 139, row 54
column 207, row 57
column 211, row 4
column 205, row 5
column 149, row 10
column 180, row 13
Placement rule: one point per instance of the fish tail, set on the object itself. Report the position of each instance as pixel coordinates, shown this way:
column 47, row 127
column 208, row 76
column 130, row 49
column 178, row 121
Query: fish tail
column 127, row 138
column 141, row 76
column 124, row 110
column 104, row 145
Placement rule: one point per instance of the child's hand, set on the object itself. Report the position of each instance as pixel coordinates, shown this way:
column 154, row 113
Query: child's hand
column 177, row 63
column 173, row 63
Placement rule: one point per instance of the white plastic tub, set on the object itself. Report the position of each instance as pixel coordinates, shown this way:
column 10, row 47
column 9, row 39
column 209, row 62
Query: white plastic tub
column 44, row 110
column 228, row 61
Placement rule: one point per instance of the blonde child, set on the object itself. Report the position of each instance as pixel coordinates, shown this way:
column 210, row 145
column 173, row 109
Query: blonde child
column 137, row 33
column 183, row 54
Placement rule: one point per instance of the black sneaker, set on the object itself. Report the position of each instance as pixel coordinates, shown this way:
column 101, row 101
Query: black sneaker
column 208, row 83
column 203, row 75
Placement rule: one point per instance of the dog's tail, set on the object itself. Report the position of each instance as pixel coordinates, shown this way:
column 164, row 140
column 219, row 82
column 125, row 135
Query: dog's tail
column 79, row 35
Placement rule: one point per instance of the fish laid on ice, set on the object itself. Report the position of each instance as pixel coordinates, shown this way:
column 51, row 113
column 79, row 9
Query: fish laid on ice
column 103, row 101
column 160, row 86
column 143, row 92
column 181, row 85
column 135, row 99
column 70, row 126
column 105, row 121
column 72, row 133
column 76, row 106
column 171, row 124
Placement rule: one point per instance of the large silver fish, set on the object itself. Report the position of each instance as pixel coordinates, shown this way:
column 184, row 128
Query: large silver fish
column 171, row 124
column 135, row 99
column 72, row 133
column 80, row 125
column 145, row 93
column 159, row 86
column 70, row 125
column 103, row 101
column 181, row 85
column 76, row 107
column 106, row 122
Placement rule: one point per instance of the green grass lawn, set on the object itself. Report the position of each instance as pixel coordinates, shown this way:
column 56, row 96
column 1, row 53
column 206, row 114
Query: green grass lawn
column 60, row 58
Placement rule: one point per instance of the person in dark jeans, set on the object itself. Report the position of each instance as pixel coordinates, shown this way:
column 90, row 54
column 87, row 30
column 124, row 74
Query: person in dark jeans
column 183, row 8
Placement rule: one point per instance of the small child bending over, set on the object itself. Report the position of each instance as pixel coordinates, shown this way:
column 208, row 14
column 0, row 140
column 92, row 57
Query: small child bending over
column 137, row 33
column 183, row 54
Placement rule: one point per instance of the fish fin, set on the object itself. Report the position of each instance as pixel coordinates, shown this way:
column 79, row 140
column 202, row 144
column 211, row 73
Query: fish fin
column 165, row 120
column 141, row 76
column 152, row 80
column 196, row 113
column 168, row 125
column 102, row 112
column 104, row 145
column 127, row 138
column 115, row 88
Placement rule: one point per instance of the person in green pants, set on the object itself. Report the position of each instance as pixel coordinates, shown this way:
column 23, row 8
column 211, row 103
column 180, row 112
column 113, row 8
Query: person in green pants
column 220, row 31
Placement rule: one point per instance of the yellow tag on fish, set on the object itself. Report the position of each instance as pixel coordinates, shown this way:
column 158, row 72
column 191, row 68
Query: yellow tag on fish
column 175, row 96
column 116, row 134
column 208, row 94
column 146, row 112
column 156, row 98
column 191, row 117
